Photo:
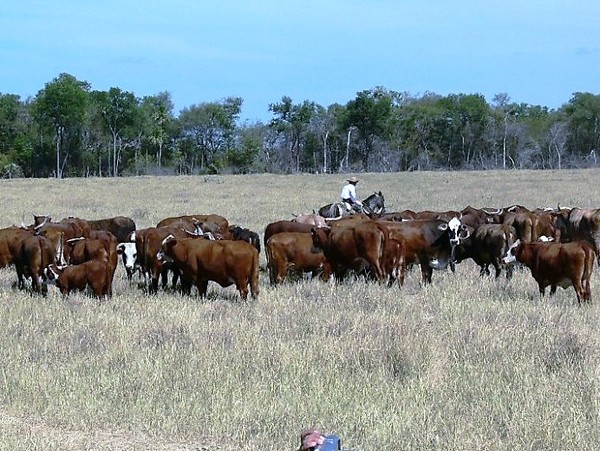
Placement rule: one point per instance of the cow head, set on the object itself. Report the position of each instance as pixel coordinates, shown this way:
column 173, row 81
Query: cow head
column 52, row 273
column 128, row 252
column 165, row 245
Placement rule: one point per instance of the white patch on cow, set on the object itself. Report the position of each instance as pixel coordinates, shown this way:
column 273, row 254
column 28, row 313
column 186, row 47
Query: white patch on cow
column 132, row 237
column 51, row 275
column 454, row 226
column 436, row 263
column 168, row 238
column 545, row 239
column 510, row 258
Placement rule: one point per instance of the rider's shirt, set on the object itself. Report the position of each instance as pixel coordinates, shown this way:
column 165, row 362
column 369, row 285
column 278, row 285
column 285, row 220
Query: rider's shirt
column 349, row 192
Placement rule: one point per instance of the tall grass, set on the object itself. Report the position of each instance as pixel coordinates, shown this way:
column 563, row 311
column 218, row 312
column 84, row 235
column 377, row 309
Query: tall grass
column 465, row 363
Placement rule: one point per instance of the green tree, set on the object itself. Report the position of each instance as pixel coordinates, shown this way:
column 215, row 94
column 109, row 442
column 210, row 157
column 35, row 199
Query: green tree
column 62, row 105
column 370, row 112
column 117, row 109
column 292, row 124
column 583, row 114
column 211, row 127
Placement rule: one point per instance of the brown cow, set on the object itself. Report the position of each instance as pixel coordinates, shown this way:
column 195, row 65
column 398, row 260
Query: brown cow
column 285, row 226
column 225, row 262
column 33, row 255
column 356, row 247
column 288, row 250
column 556, row 264
column 101, row 245
column 10, row 237
column 147, row 245
column 94, row 274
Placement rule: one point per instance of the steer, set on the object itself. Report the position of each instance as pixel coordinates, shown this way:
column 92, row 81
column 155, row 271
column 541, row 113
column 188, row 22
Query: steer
column 225, row 262
column 288, row 250
column 285, row 226
column 147, row 244
column 428, row 242
column 358, row 247
column 584, row 224
column 556, row 264
column 208, row 223
column 487, row 245
column 10, row 238
column 94, row 274
column 314, row 219
column 120, row 226
column 33, row 255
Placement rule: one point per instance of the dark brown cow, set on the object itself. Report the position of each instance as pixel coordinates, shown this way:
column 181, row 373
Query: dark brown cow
column 225, row 262
column 356, row 247
column 94, row 274
column 285, row 226
column 293, row 250
column 34, row 254
column 247, row 235
column 556, row 264
column 487, row 245
column 428, row 243
column 120, row 226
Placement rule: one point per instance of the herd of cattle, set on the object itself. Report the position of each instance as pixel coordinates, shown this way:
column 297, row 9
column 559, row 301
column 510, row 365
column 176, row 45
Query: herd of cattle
column 558, row 245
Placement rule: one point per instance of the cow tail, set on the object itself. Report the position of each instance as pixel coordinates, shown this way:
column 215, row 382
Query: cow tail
column 254, row 289
column 269, row 255
column 588, row 268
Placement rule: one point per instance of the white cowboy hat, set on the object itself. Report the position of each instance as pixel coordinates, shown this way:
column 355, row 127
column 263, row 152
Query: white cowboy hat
column 353, row 179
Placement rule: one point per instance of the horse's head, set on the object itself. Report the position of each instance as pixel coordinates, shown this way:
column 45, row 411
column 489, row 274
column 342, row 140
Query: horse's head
column 375, row 203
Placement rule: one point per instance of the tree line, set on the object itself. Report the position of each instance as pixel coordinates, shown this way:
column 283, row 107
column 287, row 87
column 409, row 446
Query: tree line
column 69, row 129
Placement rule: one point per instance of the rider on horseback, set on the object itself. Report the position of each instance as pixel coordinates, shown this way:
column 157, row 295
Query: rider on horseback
column 348, row 196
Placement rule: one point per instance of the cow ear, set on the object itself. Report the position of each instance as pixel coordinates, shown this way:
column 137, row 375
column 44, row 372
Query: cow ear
column 443, row 226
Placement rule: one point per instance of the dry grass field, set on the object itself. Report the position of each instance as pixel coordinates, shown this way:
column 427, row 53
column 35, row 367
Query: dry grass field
column 467, row 363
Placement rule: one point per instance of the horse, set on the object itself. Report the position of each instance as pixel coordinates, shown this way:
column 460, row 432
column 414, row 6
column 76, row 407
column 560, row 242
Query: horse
column 372, row 206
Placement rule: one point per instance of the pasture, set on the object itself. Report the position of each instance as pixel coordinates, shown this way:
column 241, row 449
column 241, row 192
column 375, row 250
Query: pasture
column 465, row 363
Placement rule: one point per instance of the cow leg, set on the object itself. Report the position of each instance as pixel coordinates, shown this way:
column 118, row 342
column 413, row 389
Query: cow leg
column 553, row 289
column 202, row 286
column 426, row 271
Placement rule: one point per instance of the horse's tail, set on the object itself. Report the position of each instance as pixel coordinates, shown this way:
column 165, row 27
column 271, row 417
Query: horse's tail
column 335, row 212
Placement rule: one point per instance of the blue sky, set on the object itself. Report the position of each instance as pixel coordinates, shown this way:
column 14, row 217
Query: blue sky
column 538, row 52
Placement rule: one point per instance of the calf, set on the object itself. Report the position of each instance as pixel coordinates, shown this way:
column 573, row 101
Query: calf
column 556, row 264
column 94, row 274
